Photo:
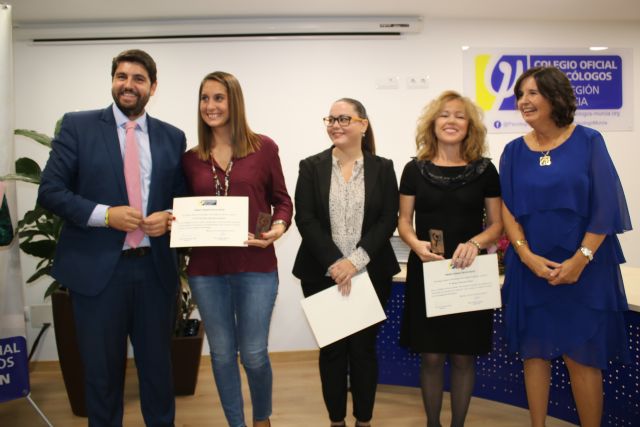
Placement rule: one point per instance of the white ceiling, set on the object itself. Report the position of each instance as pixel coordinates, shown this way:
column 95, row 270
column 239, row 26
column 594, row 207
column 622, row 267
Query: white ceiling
column 59, row 11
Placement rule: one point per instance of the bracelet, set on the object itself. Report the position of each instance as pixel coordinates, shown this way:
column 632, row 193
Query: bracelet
column 282, row 222
column 106, row 217
column 520, row 243
column 476, row 244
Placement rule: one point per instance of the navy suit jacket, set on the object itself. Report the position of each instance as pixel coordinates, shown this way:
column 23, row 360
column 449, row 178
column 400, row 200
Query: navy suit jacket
column 85, row 168
column 318, row 251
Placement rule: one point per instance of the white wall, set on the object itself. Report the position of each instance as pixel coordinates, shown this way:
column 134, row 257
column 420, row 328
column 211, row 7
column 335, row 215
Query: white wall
column 289, row 86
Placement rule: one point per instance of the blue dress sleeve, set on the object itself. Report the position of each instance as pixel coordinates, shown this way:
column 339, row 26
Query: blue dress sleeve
column 506, row 178
column 608, row 206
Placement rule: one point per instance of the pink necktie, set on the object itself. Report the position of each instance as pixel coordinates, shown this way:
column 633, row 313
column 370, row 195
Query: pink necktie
column 132, row 178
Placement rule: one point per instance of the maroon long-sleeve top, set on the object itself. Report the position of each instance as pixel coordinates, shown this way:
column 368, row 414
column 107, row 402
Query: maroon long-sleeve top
column 259, row 177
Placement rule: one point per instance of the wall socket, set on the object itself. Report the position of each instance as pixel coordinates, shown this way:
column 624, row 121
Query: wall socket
column 389, row 82
column 41, row 314
column 418, row 82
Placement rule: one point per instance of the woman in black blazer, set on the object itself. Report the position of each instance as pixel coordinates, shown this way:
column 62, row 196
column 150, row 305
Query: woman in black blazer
column 346, row 211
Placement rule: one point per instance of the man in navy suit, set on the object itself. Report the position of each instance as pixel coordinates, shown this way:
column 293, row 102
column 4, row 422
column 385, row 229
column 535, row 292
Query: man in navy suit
column 118, row 289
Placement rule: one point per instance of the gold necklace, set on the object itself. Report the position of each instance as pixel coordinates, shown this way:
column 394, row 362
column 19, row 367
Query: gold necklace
column 545, row 158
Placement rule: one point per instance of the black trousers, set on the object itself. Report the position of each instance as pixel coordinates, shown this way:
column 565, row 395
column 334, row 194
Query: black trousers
column 132, row 305
column 352, row 363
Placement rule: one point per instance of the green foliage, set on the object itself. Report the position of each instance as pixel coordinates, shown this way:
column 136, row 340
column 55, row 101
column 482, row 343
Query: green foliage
column 39, row 229
column 27, row 170
column 38, row 232
column 40, row 138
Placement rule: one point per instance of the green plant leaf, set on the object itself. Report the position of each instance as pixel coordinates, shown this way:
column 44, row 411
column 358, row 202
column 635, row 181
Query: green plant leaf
column 46, row 227
column 38, row 137
column 27, row 170
column 31, row 216
column 44, row 262
column 28, row 167
column 58, row 227
column 31, row 219
column 44, row 271
column 54, row 286
column 29, row 234
column 56, row 131
column 17, row 177
column 39, row 248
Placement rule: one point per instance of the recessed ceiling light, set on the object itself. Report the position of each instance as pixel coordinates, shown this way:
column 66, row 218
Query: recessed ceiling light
column 595, row 48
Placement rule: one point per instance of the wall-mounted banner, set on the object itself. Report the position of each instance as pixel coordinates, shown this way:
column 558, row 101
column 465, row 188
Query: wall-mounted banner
column 602, row 83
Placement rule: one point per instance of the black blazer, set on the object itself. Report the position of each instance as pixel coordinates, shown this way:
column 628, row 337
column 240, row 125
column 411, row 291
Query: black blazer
column 318, row 251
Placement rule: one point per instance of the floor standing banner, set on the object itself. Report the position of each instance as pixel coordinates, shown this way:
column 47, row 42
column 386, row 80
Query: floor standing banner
column 14, row 370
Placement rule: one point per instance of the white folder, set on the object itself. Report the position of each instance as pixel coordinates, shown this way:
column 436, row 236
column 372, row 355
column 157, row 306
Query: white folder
column 333, row 316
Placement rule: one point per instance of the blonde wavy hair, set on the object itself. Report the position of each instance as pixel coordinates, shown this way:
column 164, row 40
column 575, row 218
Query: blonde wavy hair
column 474, row 144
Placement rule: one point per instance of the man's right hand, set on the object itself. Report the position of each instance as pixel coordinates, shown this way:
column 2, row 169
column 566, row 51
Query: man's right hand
column 124, row 218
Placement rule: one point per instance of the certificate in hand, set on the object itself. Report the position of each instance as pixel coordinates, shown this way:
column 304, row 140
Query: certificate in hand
column 449, row 290
column 333, row 316
column 210, row 221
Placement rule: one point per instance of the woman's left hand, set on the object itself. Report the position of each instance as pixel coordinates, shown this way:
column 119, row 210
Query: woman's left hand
column 268, row 238
column 464, row 255
column 341, row 272
column 569, row 271
column 345, row 287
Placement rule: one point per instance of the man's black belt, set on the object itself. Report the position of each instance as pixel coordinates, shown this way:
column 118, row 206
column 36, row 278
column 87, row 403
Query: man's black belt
column 136, row 252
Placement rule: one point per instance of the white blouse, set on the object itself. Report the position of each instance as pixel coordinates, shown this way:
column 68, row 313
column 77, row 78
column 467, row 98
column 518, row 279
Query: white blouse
column 346, row 212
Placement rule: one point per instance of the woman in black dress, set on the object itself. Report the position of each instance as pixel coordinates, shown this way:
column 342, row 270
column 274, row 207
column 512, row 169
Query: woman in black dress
column 448, row 186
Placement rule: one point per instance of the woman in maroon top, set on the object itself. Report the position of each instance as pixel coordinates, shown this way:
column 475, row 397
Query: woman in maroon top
column 236, row 287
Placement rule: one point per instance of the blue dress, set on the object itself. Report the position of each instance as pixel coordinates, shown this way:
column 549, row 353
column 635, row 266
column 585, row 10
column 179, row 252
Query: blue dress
column 555, row 205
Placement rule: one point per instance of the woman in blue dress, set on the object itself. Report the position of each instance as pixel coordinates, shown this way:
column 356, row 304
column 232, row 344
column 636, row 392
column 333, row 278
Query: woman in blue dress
column 563, row 205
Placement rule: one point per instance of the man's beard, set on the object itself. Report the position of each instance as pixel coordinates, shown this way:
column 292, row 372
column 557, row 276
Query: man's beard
column 134, row 110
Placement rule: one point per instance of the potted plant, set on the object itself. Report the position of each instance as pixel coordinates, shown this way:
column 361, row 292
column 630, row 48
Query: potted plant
column 39, row 231
column 186, row 346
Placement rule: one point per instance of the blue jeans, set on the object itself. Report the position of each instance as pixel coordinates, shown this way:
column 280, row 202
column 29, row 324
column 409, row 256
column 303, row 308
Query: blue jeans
column 236, row 311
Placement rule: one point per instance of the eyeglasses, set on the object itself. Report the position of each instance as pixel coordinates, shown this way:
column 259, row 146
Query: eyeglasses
column 343, row 121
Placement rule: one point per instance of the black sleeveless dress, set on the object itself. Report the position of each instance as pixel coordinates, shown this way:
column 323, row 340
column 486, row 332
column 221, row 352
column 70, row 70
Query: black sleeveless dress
column 450, row 199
